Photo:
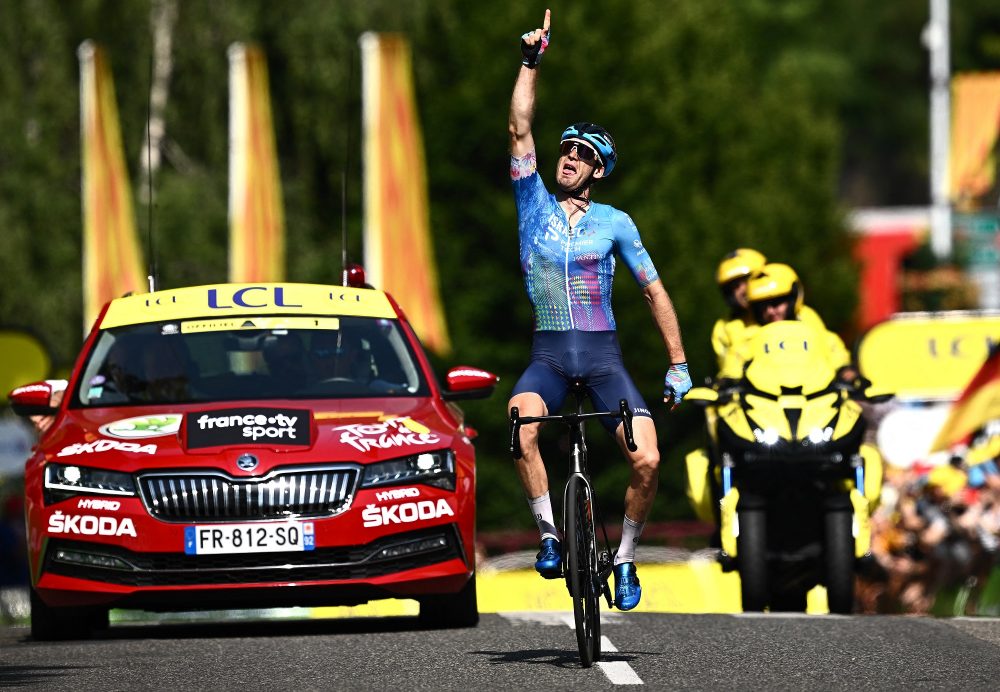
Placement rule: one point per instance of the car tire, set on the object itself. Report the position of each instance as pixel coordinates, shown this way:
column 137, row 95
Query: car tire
column 60, row 624
column 451, row 610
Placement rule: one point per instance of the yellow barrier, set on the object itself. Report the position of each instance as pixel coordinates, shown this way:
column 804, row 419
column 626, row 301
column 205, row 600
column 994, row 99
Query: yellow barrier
column 698, row 586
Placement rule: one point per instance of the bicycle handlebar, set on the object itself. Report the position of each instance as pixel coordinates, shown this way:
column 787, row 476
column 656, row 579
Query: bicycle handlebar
column 623, row 412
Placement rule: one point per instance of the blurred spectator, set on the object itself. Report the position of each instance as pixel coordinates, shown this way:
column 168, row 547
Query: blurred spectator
column 936, row 532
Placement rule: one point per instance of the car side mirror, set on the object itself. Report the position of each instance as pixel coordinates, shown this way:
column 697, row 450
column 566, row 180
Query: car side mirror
column 466, row 382
column 35, row 399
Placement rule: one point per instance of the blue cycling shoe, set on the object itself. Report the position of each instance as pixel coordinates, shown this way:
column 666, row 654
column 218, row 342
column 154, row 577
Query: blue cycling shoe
column 548, row 562
column 627, row 589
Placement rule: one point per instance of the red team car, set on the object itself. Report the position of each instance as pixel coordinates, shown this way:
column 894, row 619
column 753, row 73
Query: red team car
column 251, row 446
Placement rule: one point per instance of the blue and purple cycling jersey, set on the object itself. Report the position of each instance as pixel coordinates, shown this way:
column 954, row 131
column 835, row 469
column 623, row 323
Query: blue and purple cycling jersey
column 568, row 272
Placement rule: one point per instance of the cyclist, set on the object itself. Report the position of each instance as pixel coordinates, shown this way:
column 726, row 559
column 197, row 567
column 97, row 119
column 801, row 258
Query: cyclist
column 732, row 275
column 567, row 247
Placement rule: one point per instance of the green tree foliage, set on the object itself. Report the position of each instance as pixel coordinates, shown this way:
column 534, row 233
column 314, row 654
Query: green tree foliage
column 739, row 124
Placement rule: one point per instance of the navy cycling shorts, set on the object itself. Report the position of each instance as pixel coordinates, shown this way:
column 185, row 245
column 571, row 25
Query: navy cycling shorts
column 558, row 357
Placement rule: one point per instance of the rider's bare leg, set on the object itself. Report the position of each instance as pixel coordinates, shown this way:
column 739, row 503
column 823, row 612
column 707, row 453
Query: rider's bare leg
column 530, row 466
column 645, row 463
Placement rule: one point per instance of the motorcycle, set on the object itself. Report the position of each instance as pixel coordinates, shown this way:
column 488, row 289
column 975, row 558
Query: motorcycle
column 787, row 473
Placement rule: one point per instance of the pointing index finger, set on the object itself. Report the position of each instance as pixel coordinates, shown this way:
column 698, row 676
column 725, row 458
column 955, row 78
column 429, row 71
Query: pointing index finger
column 545, row 24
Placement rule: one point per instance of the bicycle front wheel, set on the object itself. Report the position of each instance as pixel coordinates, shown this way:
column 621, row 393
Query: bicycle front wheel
column 581, row 565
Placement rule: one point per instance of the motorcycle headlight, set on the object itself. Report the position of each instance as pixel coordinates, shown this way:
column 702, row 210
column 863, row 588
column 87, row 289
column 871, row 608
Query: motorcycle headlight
column 430, row 468
column 768, row 436
column 818, row 436
column 65, row 480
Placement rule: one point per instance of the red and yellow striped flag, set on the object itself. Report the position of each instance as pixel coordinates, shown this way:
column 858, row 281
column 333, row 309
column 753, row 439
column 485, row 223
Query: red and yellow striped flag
column 256, row 218
column 979, row 404
column 112, row 260
column 399, row 256
column 974, row 127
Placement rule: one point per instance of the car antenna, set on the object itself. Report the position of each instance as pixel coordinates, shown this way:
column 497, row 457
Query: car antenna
column 345, row 170
column 151, row 275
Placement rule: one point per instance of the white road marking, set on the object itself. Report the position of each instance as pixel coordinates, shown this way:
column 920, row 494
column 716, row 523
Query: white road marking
column 618, row 672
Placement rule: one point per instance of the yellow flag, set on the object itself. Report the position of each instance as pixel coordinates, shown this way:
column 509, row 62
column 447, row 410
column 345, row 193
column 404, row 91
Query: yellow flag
column 112, row 261
column 975, row 120
column 256, row 218
column 399, row 256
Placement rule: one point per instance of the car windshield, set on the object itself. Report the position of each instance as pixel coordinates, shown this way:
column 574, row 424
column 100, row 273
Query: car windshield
column 254, row 358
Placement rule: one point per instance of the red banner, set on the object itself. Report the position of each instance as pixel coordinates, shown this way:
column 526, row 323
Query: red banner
column 112, row 261
column 256, row 217
column 399, row 255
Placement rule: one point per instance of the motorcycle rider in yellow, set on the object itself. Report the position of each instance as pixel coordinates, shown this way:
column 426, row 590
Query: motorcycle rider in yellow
column 772, row 293
column 732, row 276
column 775, row 293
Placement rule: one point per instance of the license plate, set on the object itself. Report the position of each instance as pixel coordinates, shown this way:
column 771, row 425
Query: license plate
column 223, row 539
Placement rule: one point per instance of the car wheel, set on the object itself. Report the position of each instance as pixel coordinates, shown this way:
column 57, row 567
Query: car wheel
column 451, row 610
column 54, row 624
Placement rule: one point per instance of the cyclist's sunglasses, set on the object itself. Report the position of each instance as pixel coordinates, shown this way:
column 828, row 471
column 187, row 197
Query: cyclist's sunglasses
column 584, row 152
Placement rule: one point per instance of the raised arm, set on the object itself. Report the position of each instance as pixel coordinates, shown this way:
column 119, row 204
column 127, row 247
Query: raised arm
column 522, row 102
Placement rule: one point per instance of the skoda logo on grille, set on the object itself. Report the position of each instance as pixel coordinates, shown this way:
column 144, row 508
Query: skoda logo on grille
column 247, row 462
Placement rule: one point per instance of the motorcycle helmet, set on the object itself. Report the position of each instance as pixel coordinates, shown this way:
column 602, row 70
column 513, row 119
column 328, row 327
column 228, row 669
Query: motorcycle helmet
column 775, row 283
column 735, row 267
column 597, row 137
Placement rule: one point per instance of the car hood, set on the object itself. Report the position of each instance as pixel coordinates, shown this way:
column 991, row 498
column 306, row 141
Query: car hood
column 279, row 432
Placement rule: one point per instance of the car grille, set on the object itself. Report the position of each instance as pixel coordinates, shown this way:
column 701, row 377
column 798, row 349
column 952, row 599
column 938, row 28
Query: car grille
column 206, row 496
column 381, row 557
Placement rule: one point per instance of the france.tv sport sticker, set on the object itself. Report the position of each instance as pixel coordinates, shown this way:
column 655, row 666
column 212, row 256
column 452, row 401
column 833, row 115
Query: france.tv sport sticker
column 254, row 425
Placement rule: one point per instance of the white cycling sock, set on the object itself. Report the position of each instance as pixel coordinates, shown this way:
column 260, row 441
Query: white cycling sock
column 541, row 509
column 631, row 530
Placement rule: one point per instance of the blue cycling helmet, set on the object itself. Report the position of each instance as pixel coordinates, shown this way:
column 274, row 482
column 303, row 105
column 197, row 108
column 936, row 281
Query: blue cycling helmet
column 597, row 137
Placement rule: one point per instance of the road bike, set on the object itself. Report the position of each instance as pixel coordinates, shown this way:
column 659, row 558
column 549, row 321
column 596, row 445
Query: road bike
column 586, row 571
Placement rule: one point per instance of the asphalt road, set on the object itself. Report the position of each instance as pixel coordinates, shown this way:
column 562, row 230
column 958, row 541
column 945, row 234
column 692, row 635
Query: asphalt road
column 518, row 651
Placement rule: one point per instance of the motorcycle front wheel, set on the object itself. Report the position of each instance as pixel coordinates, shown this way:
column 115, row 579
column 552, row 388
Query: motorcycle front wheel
column 839, row 559
column 751, row 554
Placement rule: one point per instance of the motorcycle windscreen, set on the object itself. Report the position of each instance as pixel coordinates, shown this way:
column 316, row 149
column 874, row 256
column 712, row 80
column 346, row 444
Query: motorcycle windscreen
column 790, row 355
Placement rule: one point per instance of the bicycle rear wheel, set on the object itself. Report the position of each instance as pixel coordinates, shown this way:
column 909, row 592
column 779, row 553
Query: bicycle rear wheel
column 581, row 565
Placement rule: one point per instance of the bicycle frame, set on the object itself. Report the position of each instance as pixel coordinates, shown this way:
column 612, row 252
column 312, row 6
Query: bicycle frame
column 596, row 568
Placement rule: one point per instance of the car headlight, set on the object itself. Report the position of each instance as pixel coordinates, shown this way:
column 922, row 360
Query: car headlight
column 430, row 468
column 66, row 480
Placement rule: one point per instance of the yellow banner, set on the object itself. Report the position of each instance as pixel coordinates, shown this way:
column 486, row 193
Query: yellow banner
column 975, row 120
column 223, row 301
column 256, row 217
column 399, row 256
column 112, row 261
column 927, row 357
